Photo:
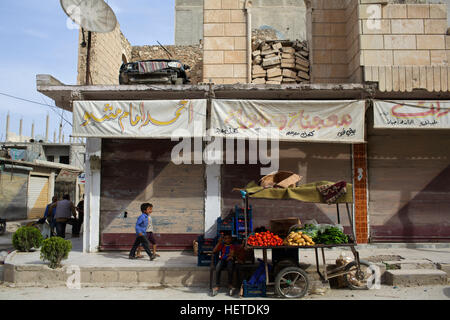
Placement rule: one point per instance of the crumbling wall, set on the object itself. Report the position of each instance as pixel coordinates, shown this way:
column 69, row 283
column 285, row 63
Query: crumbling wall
column 108, row 51
column 192, row 55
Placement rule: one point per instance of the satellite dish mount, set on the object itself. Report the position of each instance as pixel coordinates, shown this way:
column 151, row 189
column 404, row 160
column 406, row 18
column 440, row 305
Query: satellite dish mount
column 92, row 16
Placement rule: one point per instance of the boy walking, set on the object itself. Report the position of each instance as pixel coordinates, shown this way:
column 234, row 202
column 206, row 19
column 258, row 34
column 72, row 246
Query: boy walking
column 141, row 228
column 150, row 237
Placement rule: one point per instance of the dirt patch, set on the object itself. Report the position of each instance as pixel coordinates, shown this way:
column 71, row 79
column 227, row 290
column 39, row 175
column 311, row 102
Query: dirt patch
column 381, row 258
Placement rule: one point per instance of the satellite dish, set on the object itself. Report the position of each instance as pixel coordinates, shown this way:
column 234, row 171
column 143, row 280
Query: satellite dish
column 91, row 15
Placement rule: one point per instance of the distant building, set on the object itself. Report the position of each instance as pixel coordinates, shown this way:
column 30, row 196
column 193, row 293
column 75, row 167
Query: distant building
column 33, row 171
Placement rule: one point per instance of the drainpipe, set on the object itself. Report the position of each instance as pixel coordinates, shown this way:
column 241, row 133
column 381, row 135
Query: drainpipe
column 247, row 8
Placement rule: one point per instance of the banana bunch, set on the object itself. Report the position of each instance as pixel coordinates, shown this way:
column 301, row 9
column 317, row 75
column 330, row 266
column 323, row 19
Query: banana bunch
column 299, row 239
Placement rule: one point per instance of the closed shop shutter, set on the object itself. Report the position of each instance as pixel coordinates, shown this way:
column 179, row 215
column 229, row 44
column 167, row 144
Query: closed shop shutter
column 313, row 161
column 37, row 197
column 139, row 171
column 409, row 189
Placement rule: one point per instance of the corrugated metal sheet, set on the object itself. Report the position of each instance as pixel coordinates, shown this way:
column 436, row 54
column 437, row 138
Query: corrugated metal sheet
column 409, row 189
column 37, row 197
column 313, row 161
column 408, row 78
column 138, row 171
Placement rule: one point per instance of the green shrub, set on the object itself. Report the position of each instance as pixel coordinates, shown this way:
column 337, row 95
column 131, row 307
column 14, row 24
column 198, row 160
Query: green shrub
column 54, row 250
column 27, row 238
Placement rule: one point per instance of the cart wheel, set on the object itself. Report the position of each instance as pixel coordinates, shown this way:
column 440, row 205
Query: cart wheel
column 358, row 279
column 291, row 282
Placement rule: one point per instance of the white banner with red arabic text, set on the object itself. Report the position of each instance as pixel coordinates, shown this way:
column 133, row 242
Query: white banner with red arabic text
column 409, row 114
column 312, row 121
column 157, row 119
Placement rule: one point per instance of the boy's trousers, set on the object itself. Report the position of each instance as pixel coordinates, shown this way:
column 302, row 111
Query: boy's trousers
column 140, row 240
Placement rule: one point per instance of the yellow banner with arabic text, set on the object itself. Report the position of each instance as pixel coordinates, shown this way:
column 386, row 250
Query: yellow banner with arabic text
column 157, row 119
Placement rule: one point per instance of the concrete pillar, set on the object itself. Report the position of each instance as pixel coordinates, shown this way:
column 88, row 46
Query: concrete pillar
column 360, row 196
column 46, row 128
column 32, row 130
column 91, row 236
column 51, row 185
column 213, row 200
column 20, row 130
column 7, row 128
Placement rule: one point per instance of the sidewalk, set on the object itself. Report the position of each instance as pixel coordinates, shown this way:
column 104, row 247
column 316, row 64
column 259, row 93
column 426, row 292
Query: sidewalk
column 179, row 268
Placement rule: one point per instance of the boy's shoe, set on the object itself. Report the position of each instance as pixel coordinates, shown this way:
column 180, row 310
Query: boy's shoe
column 231, row 292
column 132, row 258
column 152, row 257
column 214, row 292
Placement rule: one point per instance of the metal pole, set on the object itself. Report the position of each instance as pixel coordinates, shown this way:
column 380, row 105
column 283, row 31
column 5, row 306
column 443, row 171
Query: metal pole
column 245, row 214
column 88, row 58
column 338, row 214
column 352, row 223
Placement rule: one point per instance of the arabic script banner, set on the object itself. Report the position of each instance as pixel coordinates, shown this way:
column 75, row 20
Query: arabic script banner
column 316, row 121
column 412, row 114
column 153, row 119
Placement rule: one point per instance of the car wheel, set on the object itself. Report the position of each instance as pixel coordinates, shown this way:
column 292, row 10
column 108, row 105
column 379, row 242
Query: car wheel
column 123, row 79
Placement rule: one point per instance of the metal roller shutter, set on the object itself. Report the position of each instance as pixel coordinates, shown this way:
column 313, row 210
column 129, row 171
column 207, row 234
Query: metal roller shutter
column 409, row 189
column 37, row 197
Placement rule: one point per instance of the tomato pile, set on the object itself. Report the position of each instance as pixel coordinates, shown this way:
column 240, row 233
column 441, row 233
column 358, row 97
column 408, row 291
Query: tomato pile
column 264, row 239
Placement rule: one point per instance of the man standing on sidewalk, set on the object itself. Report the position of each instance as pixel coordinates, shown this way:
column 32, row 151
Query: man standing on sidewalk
column 141, row 229
column 64, row 210
column 76, row 228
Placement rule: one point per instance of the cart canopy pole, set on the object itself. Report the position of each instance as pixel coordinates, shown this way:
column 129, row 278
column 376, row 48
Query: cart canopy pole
column 338, row 214
column 352, row 223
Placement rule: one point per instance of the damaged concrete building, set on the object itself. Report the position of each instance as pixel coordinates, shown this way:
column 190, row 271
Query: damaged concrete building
column 379, row 58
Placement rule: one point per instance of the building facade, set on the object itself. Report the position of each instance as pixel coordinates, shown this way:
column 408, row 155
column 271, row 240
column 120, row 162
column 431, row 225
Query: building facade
column 385, row 55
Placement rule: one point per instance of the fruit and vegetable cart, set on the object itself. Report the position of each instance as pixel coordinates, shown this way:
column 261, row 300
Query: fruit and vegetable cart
column 289, row 279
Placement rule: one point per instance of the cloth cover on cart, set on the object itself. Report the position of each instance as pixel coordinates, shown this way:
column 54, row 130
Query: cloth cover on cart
column 306, row 193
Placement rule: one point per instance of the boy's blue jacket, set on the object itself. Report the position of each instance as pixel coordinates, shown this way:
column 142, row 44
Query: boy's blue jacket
column 141, row 224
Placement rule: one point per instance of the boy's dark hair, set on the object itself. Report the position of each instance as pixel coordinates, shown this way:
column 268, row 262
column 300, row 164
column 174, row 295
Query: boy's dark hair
column 144, row 206
column 66, row 197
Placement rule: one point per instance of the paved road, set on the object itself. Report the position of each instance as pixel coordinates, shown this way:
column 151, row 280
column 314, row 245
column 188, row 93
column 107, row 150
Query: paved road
column 161, row 293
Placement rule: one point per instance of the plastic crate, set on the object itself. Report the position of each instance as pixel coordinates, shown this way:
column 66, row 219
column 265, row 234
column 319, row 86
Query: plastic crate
column 203, row 260
column 254, row 291
column 206, row 244
column 240, row 221
column 226, row 225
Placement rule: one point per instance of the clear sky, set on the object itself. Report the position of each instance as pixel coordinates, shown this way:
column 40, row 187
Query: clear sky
column 36, row 38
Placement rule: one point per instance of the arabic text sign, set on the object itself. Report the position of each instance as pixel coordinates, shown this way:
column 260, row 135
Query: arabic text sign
column 319, row 121
column 155, row 119
column 412, row 114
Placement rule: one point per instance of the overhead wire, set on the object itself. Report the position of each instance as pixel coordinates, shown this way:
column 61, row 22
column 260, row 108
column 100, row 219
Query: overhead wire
column 37, row 103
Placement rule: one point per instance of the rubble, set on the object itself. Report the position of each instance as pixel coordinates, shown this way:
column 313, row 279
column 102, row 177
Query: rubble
column 280, row 61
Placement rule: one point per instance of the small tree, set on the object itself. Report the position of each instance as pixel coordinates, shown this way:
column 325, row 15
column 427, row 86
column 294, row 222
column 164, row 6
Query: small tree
column 54, row 250
column 27, row 238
